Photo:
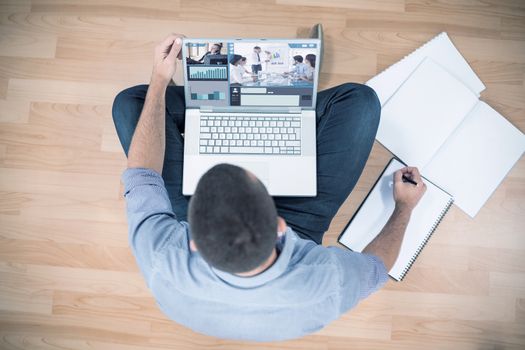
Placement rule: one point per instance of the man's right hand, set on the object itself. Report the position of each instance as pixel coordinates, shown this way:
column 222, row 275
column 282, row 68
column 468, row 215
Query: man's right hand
column 406, row 194
column 164, row 59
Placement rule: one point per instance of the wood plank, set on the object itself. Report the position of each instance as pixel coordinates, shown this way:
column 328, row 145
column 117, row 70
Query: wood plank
column 520, row 310
column 93, row 50
column 150, row 9
column 14, row 111
column 512, row 51
column 13, row 6
column 164, row 333
column 16, row 300
column 495, row 72
column 41, row 90
column 512, row 28
column 482, row 334
column 89, row 232
column 67, row 255
column 16, row 43
column 35, row 278
column 72, row 160
column 103, row 330
column 497, row 260
column 63, row 207
column 260, row 13
column 132, row 71
column 359, row 325
column 64, row 184
column 397, row 6
column 43, row 135
column 440, row 306
column 444, row 280
column 507, row 284
column 387, row 26
column 493, row 8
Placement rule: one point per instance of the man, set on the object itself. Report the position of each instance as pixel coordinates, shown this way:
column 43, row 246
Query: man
column 256, row 60
column 247, row 266
column 215, row 50
column 299, row 68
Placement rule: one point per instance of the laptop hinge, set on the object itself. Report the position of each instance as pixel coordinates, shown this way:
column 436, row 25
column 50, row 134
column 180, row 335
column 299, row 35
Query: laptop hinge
column 214, row 109
column 205, row 109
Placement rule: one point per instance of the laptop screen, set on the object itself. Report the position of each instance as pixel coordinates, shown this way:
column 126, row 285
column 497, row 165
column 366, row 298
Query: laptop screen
column 250, row 73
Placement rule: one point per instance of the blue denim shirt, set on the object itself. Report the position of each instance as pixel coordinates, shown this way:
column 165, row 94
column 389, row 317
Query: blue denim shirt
column 307, row 287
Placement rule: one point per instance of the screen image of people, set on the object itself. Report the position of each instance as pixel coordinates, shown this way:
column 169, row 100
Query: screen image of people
column 206, row 53
column 250, row 73
column 272, row 64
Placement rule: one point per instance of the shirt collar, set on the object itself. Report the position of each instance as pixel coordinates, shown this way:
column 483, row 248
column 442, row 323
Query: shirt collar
column 274, row 271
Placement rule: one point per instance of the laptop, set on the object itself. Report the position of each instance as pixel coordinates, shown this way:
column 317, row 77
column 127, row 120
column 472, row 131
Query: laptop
column 251, row 103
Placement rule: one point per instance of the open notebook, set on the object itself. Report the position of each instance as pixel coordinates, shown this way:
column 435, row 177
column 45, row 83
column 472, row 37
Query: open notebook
column 436, row 123
column 376, row 209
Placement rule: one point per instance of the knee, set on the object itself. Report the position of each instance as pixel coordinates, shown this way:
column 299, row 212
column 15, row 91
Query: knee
column 128, row 100
column 366, row 96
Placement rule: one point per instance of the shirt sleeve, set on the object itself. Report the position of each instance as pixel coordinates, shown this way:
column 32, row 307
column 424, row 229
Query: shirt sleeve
column 360, row 275
column 152, row 223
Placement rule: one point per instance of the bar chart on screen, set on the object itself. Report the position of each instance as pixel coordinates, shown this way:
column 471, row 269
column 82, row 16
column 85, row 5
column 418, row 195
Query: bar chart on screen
column 215, row 95
column 207, row 73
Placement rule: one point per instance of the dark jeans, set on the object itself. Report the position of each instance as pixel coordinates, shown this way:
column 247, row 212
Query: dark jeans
column 347, row 121
column 256, row 68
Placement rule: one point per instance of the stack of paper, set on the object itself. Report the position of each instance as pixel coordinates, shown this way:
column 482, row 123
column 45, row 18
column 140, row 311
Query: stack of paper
column 432, row 118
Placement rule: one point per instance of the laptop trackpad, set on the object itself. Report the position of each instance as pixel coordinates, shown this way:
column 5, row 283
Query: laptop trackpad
column 260, row 169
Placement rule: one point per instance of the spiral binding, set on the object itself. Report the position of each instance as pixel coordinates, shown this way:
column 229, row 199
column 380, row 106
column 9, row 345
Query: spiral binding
column 427, row 238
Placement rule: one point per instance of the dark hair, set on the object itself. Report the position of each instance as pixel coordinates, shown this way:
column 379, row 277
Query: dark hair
column 233, row 220
column 243, row 58
column 298, row 58
column 256, row 47
column 310, row 58
column 235, row 59
column 219, row 45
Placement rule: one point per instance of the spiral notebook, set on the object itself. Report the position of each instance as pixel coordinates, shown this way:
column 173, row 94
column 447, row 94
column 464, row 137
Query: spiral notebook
column 374, row 212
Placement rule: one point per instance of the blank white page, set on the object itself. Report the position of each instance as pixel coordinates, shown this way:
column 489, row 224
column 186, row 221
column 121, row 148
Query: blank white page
column 372, row 216
column 441, row 50
column 476, row 157
column 423, row 113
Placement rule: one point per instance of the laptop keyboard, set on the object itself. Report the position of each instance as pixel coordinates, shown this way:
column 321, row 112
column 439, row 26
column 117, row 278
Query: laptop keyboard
column 232, row 134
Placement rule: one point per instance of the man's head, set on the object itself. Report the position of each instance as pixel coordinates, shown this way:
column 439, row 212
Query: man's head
column 257, row 49
column 233, row 219
column 216, row 48
column 235, row 60
column 298, row 59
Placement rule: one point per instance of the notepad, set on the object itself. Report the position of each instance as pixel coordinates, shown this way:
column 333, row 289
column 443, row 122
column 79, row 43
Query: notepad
column 441, row 50
column 436, row 123
column 374, row 212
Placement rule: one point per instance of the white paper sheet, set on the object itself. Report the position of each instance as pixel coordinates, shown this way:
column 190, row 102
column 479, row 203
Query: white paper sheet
column 422, row 114
column 441, row 50
column 477, row 156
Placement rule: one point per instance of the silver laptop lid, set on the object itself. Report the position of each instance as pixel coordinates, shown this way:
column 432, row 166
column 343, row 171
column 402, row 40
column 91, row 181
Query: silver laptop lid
column 251, row 74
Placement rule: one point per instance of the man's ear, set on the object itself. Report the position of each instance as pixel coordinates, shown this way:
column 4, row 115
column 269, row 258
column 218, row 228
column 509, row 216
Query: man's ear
column 193, row 247
column 281, row 226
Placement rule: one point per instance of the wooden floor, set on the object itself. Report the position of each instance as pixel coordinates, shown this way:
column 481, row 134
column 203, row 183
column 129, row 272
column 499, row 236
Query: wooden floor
column 67, row 277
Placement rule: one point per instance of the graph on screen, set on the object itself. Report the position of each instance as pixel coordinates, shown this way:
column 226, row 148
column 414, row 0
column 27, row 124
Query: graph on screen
column 215, row 95
column 199, row 72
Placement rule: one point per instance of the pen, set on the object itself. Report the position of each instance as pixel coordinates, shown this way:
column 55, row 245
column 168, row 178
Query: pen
column 406, row 179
